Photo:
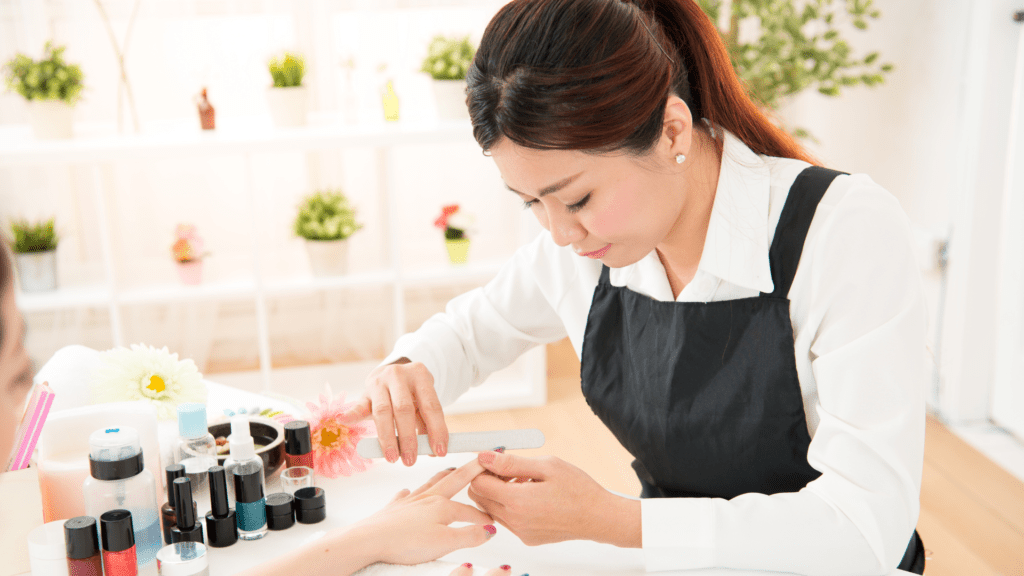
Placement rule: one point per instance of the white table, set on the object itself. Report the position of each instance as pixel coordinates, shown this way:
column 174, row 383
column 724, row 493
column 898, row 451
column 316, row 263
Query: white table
column 351, row 499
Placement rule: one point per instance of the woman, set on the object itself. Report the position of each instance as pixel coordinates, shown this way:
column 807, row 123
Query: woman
column 413, row 528
column 750, row 326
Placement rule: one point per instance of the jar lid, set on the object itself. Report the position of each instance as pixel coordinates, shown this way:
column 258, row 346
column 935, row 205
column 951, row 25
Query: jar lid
column 192, row 420
column 46, row 542
column 310, row 497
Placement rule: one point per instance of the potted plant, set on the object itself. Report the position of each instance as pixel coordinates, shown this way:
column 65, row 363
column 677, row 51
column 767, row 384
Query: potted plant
column 287, row 97
column 35, row 252
column 447, row 61
column 188, row 253
column 325, row 220
column 51, row 86
column 455, row 225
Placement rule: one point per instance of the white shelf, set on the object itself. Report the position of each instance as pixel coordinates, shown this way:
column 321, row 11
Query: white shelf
column 247, row 136
column 63, row 298
column 184, row 293
column 300, row 284
column 467, row 271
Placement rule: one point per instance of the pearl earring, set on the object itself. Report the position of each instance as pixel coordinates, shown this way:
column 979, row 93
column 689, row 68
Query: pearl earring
column 680, row 158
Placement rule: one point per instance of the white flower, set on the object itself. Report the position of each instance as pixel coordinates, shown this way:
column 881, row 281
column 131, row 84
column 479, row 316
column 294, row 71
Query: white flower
column 146, row 373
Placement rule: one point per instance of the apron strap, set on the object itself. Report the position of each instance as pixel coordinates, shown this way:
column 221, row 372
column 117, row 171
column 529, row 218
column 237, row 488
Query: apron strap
column 784, row 256
column 605, row 276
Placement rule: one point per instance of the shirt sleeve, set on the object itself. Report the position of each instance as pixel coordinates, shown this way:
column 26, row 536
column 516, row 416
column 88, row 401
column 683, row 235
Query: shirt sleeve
column 869, row 361
column 486, row 329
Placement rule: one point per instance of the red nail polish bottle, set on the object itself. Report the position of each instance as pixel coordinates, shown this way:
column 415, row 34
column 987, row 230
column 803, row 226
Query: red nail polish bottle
column 118, row 538
column 83, row 547
column 298, row 445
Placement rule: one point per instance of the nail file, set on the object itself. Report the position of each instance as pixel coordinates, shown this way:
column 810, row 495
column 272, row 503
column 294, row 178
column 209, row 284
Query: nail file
column 466, row 442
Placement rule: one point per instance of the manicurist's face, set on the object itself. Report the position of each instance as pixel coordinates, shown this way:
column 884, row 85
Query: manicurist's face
column 15, row 370
column 613, row 207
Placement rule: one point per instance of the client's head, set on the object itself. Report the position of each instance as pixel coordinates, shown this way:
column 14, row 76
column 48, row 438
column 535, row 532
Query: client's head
column 15, row 365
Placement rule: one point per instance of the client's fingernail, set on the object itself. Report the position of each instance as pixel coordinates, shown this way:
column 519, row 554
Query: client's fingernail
column 491, row 530
column 391, row 455
column 467, row 565
column 500, row 449
column 452, row 469
column 486, row 457
column 505, row 567
column 439, row 449
column 407, row 459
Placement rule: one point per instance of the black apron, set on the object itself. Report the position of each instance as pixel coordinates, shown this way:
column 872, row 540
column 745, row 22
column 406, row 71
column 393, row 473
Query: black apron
column 705, row 396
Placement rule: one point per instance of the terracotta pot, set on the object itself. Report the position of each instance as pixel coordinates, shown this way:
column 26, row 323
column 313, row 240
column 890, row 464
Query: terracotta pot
column 191, row 272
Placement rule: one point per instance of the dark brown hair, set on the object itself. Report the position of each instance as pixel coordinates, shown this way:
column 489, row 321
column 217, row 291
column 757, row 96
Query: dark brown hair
column 6, row 281
column 596, row 74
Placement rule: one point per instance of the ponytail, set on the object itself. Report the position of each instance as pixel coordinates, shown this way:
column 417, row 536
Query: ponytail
column 596, row 74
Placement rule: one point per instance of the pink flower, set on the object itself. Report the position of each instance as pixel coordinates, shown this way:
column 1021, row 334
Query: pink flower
column 334, row 443
column 446, row 211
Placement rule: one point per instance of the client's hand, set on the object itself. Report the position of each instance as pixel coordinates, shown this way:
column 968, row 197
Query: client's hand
column 467, row 570
column 543, row 500
column 414, row 527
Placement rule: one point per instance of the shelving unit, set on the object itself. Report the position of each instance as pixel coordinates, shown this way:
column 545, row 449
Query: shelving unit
column 524, row 385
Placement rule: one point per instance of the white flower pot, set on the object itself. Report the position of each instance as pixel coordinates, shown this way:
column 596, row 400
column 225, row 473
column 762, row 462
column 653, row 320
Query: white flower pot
column 288, row 106
column 37, row 271
column 450, row 96
column 51, row 119
column 327, row 257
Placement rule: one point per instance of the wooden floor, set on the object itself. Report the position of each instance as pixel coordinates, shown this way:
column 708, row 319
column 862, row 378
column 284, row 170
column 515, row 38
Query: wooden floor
column 972, row 511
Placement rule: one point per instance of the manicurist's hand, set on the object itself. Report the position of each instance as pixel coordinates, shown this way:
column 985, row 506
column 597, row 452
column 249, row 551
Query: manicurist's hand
column 402, row 400
column 549, row 500
column 414, row 527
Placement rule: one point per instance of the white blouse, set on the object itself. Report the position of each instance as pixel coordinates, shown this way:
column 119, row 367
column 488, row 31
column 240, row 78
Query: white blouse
column 859, row 322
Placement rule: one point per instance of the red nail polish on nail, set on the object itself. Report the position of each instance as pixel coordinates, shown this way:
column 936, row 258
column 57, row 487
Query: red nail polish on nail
column 491, row 529
column 452, row 469
column 500, row 449
column 506, row 568
column 468, row 565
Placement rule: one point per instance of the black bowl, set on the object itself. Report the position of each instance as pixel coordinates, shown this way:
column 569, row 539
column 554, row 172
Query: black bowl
column 268, row 437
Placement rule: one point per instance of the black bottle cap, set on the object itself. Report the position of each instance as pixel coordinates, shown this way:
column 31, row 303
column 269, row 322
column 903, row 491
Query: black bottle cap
column 174, row 471
column 194, row 534
column 248, row 482
column 221, row 531
column 297, row 439
column 280, row 513
column 81, row 538
column 310, row 504
column 116, row 530
column 184, row 511
column 218, row 491
column 118, row 469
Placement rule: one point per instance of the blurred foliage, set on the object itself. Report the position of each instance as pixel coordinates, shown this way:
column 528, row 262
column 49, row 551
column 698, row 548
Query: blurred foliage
column 326, row 215
column 48, row 79
column 288, row 70
column 33, row 237
column 448, row 58
column 799, row 46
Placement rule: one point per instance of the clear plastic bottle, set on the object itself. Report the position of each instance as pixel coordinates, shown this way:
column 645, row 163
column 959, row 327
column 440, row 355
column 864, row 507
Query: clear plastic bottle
column 240, row 431
column 196, row 450
column 118, row 480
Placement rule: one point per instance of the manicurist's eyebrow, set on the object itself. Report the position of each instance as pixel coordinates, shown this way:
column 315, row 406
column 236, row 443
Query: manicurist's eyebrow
column 552, row 188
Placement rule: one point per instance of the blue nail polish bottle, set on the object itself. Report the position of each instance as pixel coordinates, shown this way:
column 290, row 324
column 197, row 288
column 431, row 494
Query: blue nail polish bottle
column 250, row 502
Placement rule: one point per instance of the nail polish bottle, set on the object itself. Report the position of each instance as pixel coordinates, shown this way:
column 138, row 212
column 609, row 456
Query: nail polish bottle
column 310, row 505
column 195, row 449
column 183, row 559
column 280, row 511
column 221, row 529
column 298, row 444
column 167, row 517
column 82, row 541
column 241, row 449
column 118, row 480
column 118, row 537
column 250, row 503
column 187, row 529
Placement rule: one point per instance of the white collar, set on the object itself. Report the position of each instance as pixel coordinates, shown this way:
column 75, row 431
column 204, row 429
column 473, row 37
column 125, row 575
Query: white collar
column 737, row 243
column 736, row 246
